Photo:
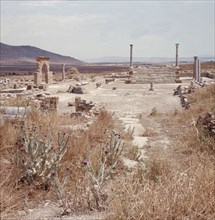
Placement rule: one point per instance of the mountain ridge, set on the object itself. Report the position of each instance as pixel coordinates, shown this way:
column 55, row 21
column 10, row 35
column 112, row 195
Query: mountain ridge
column 25, row 54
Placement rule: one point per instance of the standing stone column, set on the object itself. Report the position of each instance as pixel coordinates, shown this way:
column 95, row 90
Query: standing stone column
column 199, row 71
column 131, row 55
column 195, row 68
column 176, row 59
column 63, row 72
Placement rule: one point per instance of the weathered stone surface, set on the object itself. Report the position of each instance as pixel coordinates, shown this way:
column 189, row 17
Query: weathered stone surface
column 15, row 110
column 182, row 93
column 178, row 80
column 70, row 89
column 82, row 105
column 38, row 78
column 29, row 87
column 71, row 103
column 98, row 84
column 108, row 80
column 78, row 90
column 49, row 103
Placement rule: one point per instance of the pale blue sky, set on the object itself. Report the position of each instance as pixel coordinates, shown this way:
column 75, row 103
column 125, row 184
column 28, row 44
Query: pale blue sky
column 90, row 29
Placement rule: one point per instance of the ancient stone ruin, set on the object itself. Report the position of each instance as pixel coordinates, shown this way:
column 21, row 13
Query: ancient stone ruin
column 42, row 64
column 182, row 92
column 77, row 90
column 49, row 103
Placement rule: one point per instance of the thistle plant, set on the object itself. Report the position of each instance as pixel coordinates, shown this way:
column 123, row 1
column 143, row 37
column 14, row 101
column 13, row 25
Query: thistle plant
column 36, row 155
column 106, row 166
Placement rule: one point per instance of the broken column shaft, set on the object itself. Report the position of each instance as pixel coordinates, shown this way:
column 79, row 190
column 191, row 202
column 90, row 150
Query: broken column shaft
column 63, row 72
column 151, row 86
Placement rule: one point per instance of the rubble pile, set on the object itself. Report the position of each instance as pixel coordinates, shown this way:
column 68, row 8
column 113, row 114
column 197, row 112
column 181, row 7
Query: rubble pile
column 84, row 106
column 98, row 84
column 77, row 90
column 13, row 84
column 109, row 80
column 49, row 103
column 182, row 92
column 207, row 122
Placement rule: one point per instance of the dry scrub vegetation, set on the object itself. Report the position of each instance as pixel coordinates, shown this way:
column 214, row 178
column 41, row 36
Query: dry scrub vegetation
column 179, row 185
column 42, row 159
column 89, row 174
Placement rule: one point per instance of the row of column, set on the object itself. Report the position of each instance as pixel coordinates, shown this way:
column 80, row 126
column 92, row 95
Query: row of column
column 196, row 69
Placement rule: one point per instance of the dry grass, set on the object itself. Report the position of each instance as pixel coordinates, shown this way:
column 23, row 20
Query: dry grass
column 72, row 185
column 149, row 132
column 176, row 185
column 185, row 192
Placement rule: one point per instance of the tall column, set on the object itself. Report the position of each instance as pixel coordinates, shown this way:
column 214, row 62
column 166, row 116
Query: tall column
column 195, row 68
column 63, row 72
column 199, row 70
column 176, row 59
column 131, row 54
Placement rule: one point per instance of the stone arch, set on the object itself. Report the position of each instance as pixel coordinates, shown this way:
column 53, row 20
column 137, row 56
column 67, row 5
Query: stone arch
column 42, row 63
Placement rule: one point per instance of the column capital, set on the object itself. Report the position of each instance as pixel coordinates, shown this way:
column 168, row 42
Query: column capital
column 195, row 57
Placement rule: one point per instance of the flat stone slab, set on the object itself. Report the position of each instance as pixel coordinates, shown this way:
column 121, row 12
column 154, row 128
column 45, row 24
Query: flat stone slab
column 131, row 124
column 15, row 110
column 12, row 90
column 140, row 141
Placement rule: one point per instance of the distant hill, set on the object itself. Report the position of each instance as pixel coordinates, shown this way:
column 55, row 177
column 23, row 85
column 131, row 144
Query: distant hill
column 21, row 55
column 113, row 59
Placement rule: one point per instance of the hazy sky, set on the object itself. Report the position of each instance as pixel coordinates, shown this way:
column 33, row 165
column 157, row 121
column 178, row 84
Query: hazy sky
column 90, row 29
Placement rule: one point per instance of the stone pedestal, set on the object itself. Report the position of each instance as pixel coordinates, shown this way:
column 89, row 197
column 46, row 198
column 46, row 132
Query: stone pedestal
column 177, row 76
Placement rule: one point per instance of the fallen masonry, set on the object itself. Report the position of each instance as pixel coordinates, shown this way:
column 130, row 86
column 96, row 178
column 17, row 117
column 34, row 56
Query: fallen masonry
column 182, row 93
column 76, row 90
column 49, row 103
column 84, row 106
column 109, row 80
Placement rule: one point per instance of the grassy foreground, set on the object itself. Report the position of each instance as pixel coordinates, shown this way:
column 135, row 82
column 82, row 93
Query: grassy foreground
column 85, row 172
